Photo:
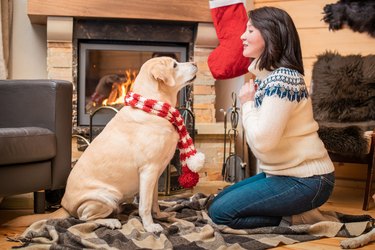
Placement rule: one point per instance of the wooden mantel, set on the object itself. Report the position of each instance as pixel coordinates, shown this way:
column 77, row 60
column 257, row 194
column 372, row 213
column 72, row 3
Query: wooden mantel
column 176, row 10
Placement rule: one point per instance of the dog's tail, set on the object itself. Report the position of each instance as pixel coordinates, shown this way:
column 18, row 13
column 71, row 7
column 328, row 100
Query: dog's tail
column 27, row 220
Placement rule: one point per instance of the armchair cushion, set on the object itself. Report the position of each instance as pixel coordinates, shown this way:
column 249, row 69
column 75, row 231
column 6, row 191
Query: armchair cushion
column 26, row 145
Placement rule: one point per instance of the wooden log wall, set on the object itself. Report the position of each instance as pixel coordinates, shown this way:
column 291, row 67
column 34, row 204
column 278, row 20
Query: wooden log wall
column 314, row 34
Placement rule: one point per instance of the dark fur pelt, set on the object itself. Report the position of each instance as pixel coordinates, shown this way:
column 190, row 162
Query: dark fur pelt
column 345, row 140
column 358, row 15
column 343, row 98
column 343, row 88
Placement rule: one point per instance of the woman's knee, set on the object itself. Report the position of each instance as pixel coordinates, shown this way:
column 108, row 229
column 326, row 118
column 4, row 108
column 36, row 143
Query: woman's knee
column 219, row 215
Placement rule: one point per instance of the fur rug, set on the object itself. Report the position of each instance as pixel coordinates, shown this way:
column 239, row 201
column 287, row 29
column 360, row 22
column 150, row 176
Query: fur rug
column 188, row 227
column 343, row 98
column 346, row 140
column 343, row 88
column 358, row 15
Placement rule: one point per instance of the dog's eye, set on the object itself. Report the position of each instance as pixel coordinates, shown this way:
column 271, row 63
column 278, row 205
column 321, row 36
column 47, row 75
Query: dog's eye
column 175, row 65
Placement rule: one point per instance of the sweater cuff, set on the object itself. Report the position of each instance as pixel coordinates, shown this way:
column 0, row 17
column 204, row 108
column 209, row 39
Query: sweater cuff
column 221, row 3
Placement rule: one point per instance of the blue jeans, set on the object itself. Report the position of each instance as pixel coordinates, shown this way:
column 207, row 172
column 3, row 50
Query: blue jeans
column 261, row 201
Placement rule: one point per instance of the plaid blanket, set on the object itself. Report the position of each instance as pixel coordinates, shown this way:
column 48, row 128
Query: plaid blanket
column 188, row 227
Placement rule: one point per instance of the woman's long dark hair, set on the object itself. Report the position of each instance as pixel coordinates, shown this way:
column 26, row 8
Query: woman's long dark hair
column 282, row 44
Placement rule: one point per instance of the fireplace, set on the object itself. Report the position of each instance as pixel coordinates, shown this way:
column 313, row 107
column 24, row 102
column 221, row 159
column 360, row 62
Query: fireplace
column 136, row 21
column 107, row 71
column 108, row 54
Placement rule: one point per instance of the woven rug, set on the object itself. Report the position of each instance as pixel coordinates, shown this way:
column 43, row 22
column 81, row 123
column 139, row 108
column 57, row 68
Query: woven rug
column 188, row 227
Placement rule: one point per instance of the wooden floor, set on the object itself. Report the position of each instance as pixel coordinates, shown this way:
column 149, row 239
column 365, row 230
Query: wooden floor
column 344, row 200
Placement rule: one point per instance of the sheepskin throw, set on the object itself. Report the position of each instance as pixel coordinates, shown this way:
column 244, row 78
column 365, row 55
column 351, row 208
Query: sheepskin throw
column 344, row 88
column 343, row 97
column 346, row 140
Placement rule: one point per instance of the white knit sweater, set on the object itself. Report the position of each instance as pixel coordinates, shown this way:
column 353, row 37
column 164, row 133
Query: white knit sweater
column 280, row 127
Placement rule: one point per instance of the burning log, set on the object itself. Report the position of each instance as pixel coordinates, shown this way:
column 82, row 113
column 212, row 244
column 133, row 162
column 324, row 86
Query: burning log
column 104, row 88
column 111, row 90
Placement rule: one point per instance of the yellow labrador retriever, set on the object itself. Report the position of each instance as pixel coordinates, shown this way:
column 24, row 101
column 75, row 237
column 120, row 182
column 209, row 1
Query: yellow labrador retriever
column 128, row 156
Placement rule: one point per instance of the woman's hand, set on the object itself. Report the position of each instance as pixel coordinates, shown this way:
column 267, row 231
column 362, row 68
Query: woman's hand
column 247, row 92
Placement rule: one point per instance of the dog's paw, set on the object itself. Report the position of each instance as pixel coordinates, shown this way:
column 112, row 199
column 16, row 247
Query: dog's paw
column 354, row 242
column 349, row 244
column 153, row 228
column 110, row 223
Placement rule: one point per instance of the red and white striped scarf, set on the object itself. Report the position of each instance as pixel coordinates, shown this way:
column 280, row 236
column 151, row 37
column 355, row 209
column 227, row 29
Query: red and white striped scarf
column 191, row 160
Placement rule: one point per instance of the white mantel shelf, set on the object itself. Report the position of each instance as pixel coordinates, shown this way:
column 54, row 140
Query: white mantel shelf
column 168, row 10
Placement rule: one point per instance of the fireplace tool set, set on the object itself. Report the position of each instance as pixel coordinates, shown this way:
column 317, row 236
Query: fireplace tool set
column 91, row 132
column 168, row 181
column 233, row 169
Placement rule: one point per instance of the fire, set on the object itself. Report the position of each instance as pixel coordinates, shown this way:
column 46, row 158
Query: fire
column 119, row 89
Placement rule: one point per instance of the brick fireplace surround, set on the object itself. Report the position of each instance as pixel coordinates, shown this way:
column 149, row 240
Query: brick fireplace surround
column 60, row 15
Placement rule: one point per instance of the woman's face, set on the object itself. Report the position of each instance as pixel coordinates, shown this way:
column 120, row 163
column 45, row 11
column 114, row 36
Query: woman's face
column 253, row 42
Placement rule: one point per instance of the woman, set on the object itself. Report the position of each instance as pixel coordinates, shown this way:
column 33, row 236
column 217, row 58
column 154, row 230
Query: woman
column 298, row 174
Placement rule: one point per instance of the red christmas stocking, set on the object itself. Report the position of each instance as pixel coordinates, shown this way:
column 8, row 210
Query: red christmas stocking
column 230, row 18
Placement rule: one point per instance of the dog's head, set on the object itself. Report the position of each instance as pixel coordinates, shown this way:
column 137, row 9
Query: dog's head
column 161, row 78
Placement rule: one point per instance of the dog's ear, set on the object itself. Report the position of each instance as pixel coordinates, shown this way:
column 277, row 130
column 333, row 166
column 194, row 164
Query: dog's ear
column 163, row 75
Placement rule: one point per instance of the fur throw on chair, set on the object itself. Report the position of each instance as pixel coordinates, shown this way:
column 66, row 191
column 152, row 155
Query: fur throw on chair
column 344, row 88
column 346, row 140
column 359, row 15
column 343, row 98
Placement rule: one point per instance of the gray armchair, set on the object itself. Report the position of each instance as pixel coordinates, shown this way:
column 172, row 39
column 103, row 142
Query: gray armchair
column 35, row 137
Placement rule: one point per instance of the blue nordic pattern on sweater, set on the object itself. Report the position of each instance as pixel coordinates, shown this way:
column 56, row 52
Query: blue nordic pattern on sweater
column 284, row 83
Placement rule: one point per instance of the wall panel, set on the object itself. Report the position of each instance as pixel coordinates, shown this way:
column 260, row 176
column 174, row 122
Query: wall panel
column 314, row 34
